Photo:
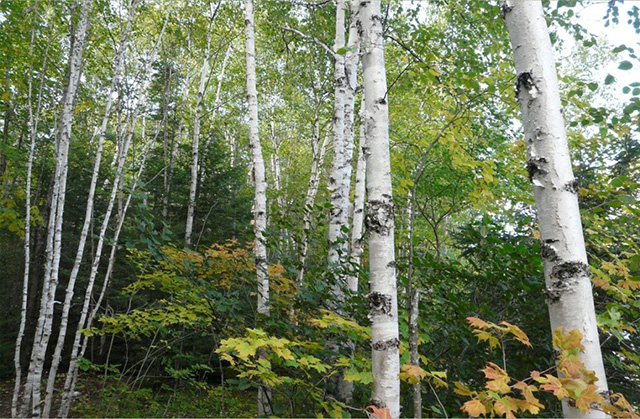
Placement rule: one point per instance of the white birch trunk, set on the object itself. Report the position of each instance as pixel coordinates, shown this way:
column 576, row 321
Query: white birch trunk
column 319, row 152
column 351, row 59
column 385, row 362
column 80, row 341
column 260, row 186
column 339, row 203
column 34, row 118
column 54, row 238
column 357, row 224
column 57, row 356
column 568, row 287
column 204, row 74
column 123, row 150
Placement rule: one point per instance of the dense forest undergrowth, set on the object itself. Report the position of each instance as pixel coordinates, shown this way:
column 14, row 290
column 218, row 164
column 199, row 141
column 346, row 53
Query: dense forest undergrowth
column 215, row 208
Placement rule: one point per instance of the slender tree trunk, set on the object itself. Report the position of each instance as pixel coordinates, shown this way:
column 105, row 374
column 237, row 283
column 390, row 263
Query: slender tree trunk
column 317, row 161
column 62, row 332
column 80, row 342
column 204, row 75
column 357, row 230
column 6, row 125
column 338, row 218
column 568, row 288
column 265, row 407
column 54, row 240
column 413, row 292
column 34, row 118
column 385, row 362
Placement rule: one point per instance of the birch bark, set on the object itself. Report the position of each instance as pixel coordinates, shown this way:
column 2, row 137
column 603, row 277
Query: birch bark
column 123, row 150
column 204, row 75
column 34, row 118
column 260, row 187
column 338, row 217
column 385, row 362
column 568, row 287
column 62, row 331
column 357, row 230
column 54, row 236
column 86, row 321
column 319, row 152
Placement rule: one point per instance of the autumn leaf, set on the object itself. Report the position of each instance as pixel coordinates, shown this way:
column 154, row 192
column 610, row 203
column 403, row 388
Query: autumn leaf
column 379, row 412
column 478, row 323
column 567, row 341
column 587, row 397
column 553, row 385
column 474, row 408
column 517, row 332
column 483, row 335
column 461, row 389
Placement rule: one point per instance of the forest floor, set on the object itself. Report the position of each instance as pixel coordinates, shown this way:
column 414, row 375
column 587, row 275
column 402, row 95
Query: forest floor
column 6, row 392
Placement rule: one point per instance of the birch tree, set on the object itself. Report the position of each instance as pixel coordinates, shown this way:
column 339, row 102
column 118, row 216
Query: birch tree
column 100, row 133
column 383, row 305
column 32, row 126
column 260, row 188
column 338, row 217
column 204, row 76
column 568, row 287
column 31, row 396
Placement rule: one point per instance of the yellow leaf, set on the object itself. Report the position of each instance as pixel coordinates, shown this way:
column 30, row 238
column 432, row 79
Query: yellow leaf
column 474, row 408
column 478, row 323
column 461, row 389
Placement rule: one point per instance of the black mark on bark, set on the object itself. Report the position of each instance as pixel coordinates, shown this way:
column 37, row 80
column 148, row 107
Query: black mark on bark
column 572, row 186
column 563, row 276
column 534, row 166
column 505, row 8
column 568, row 270
column 386, row 344
column 548, row 252
column 379, row 218
column 379, row 303
column 525, row 81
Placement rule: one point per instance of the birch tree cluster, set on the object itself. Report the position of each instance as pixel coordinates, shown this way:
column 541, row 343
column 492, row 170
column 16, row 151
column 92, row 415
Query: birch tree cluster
column 296, row 208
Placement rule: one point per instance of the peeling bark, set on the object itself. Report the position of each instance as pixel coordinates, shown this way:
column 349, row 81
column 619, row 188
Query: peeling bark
column 31, row 402
column 385, row 362
column 568, row 288
column 260, row 187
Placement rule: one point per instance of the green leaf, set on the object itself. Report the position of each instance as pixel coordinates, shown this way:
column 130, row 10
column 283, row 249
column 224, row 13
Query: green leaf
column 609, row 79
column 625, row 65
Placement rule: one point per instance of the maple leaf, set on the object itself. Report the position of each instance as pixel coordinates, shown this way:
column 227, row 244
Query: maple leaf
column 474, row 408
column 461, row 389
column 494, row 372
column 379, row 412
column 554, row 385
column 567, row 341
column 518, row 333
column 478, row 323
column 587, row 397
column 483, row 335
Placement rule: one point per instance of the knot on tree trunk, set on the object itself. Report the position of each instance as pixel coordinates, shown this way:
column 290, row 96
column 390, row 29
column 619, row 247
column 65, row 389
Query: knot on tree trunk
column 379, row 218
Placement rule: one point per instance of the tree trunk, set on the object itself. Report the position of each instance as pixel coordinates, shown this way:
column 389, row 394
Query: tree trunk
column 260, row 187
column 568, row 287
column 62, row 332
column 204, row 75
column 385, row 362
column 34, row 118
column 86, row 321
column 338, row 218
column 317, row 161
column 54, row 238
column 357, row 231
